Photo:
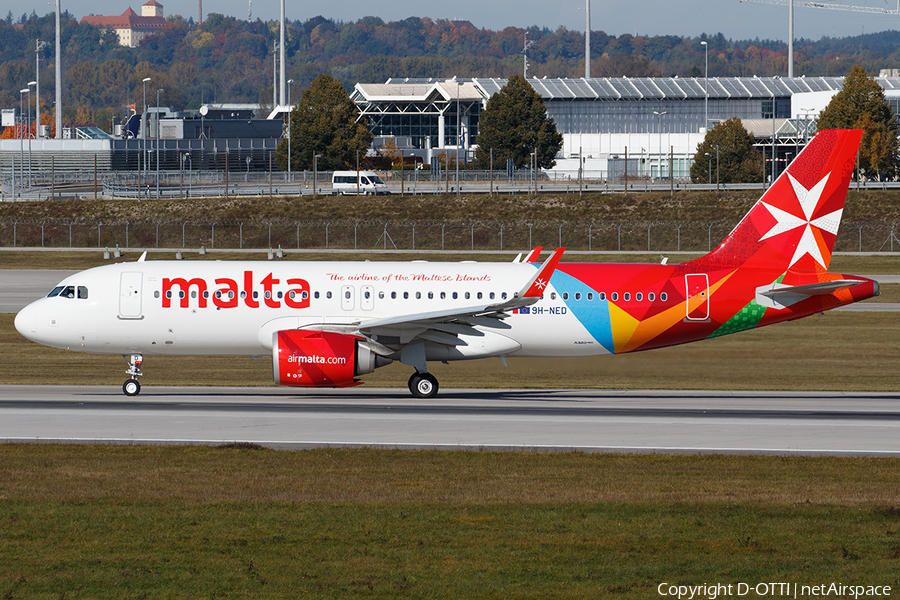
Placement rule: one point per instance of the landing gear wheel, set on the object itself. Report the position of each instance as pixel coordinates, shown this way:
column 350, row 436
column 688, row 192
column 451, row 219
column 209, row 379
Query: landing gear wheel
column 132, row 387
column 423, row 385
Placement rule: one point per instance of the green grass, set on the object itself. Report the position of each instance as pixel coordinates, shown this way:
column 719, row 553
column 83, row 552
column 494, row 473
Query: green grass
column 196, row 522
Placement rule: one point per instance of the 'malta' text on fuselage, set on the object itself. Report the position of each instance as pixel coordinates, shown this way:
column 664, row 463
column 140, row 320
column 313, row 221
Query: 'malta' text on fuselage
column 228, row 295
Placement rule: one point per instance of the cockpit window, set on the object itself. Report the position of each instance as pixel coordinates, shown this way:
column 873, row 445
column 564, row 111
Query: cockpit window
column 69, row 291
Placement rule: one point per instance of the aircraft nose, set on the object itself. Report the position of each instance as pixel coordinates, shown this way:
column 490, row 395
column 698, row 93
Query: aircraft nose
column 26, row 322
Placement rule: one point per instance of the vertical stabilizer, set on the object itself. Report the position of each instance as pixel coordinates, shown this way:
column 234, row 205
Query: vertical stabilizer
column 795, row 224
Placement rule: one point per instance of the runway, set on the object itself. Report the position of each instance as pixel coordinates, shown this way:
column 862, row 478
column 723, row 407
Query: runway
column 776, row 423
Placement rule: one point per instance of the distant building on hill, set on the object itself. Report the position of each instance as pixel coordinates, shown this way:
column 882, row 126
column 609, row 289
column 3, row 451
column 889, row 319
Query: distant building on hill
column 131, row 27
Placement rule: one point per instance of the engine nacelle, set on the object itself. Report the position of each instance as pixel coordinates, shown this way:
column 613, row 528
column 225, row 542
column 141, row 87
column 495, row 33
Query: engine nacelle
column 304, row 358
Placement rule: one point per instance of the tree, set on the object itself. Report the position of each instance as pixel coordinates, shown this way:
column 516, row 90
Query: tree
column 738, row 162
column 861, row 105
column 515, row 124
column 324, row 122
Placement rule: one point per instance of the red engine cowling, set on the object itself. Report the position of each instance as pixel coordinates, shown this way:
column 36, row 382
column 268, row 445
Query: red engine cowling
column 303, row 358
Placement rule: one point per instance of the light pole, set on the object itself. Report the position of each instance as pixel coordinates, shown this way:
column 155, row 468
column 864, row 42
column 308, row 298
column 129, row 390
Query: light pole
column 38, row 46
column 22, row 93
column 659, row 116
column 773, row 130
column 708, row 167
column 144, row 131
column 706, row 85
column 458, row 132
column 717, row 171
column 157, row 140
column 187, row 157
column 30, row 83
column 316, row 158
column 290, row 82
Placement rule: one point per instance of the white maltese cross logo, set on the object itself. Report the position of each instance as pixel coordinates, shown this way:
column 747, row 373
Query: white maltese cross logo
column 809, row 201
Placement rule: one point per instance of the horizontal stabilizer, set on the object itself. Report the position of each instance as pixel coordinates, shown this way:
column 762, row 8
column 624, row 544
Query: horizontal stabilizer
column 813, row 289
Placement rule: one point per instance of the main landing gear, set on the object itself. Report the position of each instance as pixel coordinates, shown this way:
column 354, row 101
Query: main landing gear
column 132, row 387
column 423, row 385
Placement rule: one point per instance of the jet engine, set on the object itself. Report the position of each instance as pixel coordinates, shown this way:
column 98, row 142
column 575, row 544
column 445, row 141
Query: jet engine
column 304, row 358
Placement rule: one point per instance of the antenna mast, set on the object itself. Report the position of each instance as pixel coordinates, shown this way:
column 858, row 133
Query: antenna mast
column 587, row 41
column 528, row 44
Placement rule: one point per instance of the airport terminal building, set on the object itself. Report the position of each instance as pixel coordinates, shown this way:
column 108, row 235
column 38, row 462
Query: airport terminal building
column 600, row 119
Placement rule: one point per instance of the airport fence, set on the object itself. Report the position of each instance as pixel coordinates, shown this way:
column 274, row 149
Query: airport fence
column 406, row 234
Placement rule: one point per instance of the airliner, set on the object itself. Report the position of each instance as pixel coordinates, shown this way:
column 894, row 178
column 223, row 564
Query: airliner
column 325, row 324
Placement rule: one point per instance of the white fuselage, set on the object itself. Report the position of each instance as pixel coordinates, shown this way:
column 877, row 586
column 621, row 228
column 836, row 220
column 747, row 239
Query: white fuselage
column 233, row 308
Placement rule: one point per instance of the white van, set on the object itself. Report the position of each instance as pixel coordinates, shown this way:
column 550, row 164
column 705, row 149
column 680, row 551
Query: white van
column 368, row 183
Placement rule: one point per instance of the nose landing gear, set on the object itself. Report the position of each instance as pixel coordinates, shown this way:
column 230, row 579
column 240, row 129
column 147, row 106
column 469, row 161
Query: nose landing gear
column 132, row 387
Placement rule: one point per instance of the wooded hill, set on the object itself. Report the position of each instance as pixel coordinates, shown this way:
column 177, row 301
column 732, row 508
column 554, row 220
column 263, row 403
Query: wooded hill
column 229, row 60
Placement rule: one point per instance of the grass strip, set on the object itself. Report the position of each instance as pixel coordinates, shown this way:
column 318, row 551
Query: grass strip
column 840, row 351
column 190, row 522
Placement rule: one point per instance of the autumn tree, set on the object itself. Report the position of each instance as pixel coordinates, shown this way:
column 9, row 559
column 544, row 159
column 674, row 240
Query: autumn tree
column 738, row 160
column 861, row 105
column 514, row 124
column 324, row 122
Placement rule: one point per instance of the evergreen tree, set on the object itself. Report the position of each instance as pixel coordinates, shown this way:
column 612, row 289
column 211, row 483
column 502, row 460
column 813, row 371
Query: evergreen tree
column 861, row 105
column 739, row 161
column 324, row 122
column 515, row 124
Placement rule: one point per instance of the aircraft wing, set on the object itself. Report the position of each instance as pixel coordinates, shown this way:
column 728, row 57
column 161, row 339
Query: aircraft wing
column 445, row 325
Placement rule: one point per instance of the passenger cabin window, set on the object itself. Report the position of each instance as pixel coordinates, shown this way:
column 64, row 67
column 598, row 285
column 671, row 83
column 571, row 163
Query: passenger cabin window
column 565, row 295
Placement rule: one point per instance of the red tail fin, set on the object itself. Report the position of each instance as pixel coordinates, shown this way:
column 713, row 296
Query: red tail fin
column 795, row 224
